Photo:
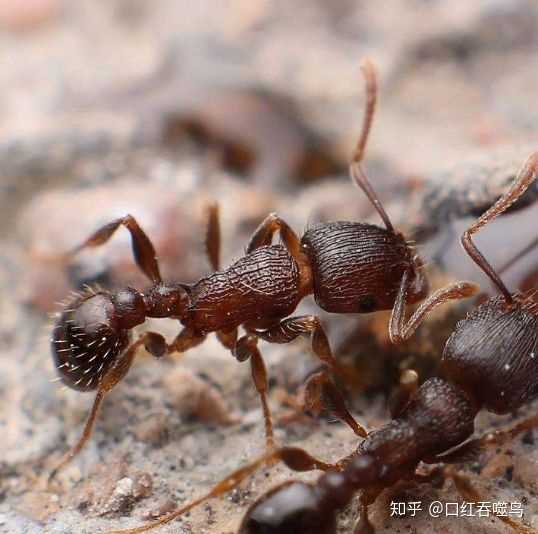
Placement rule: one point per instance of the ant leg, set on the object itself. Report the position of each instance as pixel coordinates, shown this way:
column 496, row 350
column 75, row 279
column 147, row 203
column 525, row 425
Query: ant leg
column 295, row 458
column 321, row 392
column 320, row 389
column 291, row 328
column 227, row 338
column 406, row 389
column 263, row 235
column 471, row 449
column 143, row 250
column 212, row 238
column 363, row 525
column 500, row 437
column 247, row 348
column 524, row 179
column 155, row 345
column 185, row 340
column 471, row 494
column 399, row 329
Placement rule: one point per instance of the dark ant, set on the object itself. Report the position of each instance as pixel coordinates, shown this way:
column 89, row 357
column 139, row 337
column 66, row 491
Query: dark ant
column 489, row 362
column 350, row 267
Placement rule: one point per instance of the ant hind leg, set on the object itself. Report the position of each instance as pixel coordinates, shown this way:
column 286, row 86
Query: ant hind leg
column 143, row 249
column 295, row 458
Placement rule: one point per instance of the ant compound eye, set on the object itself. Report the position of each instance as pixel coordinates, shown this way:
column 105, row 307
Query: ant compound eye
column 367, row 304
column 86, row 341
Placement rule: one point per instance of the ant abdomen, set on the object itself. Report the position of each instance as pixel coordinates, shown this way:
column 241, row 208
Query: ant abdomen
column 87, row 339
column 493, row 353
column 289, row 508
column 358, row 267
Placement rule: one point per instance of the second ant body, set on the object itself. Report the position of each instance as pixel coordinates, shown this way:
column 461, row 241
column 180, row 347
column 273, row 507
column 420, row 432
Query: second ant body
column 349, row 267
column 489, row 362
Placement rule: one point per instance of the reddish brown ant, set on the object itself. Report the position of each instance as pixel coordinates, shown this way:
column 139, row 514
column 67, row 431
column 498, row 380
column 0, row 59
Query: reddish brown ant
column 350, row 267
column 489, row 362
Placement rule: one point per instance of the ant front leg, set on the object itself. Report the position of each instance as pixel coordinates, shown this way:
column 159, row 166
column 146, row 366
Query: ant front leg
column 143, row 250
column 155, row 344
column 399, row 329
column 320, row 389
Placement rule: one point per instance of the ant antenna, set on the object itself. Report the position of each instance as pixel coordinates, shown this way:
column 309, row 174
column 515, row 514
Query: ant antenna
column 524, row 179
column 355, row 169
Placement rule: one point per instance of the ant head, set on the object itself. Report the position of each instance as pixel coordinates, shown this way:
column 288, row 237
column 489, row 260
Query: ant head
column 291, row 507
column 91, row 332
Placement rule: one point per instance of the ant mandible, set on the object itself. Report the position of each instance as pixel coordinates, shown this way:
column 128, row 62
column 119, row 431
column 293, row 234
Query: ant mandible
column 350, row 267
column 489, row 362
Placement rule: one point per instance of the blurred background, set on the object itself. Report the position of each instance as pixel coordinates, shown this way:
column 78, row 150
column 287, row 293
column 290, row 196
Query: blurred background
column 157, row 108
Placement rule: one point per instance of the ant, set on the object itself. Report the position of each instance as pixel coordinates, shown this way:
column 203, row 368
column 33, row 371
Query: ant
column 349, row 267
column 489, row 362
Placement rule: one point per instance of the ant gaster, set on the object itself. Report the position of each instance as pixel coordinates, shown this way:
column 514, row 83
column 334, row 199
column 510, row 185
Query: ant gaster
column 489, row 362
column 350, row 267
